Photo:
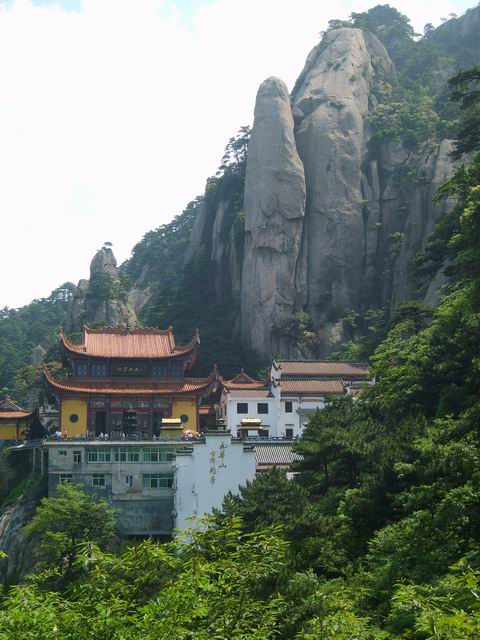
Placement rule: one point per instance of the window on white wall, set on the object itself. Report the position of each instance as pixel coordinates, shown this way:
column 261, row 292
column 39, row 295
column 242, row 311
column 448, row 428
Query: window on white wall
column 288, row 407
column 262, row 407
column 242, row 407
column 98, row 480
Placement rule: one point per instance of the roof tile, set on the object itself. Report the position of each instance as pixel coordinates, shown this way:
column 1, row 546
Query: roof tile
column 249, row 393
column 326, row 368
column 14, row 415
column 308, row 386
column 275, row 453
column 109, row 342
column 138, row 387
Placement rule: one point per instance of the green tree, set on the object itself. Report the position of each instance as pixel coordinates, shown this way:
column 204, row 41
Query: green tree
column 218, row 583
column 63, row 522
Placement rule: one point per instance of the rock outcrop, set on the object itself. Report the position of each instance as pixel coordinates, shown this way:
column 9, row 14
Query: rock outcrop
column 19, row 551
column 435, row 167
column 101, row 300
column 334, row 214
column 343, row 214
column 274, row 206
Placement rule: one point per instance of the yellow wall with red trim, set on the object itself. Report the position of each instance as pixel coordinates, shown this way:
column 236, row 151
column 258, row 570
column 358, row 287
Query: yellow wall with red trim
column 8, row 430
column 79, row 407
column 188, row 407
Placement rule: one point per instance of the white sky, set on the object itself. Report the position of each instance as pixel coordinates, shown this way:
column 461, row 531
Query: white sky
column 114, row 114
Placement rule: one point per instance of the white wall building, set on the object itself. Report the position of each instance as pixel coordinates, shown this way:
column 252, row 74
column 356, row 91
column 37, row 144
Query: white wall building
column 207, row 473
column 243, row 397
column 153, row 485
column 295, row 390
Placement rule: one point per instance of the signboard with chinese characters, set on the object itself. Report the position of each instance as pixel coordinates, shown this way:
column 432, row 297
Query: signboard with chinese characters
column 127, row 369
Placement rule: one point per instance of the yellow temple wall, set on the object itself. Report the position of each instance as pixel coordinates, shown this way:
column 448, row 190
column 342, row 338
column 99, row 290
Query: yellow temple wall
column 8, row 430
column 187, row 406
column 80, row 408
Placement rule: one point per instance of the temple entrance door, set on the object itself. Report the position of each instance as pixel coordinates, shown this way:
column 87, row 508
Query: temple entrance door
column 157, row 422
column 100, row 422
column 130, row 423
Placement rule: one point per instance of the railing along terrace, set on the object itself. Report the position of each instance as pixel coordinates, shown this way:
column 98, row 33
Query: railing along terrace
column 118, row 439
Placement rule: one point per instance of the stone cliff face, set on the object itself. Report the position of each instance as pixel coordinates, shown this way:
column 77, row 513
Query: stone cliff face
column 331, row 100
column 275, row 206
column 331, row 222
column 101, row 299
column 333, row 215
column 435, row 167
column 20, row 551
column 327, row 206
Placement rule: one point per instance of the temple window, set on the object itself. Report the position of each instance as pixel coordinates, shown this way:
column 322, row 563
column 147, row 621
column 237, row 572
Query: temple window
column 242, row 407
column 262, row 407
column 288, row 407
column 127, row 454
column 160, row 369
column 157, row 480
column 177, row 369
column 157, row 455
column 98, row 480
column 100, row 454
column 98, row 370
column 81, row 369
column 133, row 455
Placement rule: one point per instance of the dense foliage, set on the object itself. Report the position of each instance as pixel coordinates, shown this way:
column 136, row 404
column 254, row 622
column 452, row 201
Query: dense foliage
column 217, row 583
column 23, row 329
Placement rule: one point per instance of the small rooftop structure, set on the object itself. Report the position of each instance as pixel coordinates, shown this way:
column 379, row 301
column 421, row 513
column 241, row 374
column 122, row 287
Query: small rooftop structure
column 11, row 411
column 270, row 454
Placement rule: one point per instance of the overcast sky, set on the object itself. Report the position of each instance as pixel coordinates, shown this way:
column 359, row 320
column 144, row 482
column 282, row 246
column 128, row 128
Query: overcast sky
column 114, row 112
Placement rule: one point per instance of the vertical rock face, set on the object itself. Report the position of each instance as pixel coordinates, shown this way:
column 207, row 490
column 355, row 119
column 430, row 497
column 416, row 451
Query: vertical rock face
column 274, row 209
column 435, row 167
column 331, row 100
column 313, row 195
column 20, row 552
column 101, row 299
column 331, row 223
column 334, row 216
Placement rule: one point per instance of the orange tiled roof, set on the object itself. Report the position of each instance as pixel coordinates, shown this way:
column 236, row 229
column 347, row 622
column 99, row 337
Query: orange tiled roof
column 324, row 368
column 137, row 387
column 7, row 404
column 250, row 393
column 110, row 342
column 15, row 415
column 314, row 387
column 11, row 411
column 242, row 381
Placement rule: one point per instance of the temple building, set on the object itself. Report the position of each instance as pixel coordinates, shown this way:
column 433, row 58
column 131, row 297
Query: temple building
column 15, row 422
column 281, row 406
column 128, row 384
